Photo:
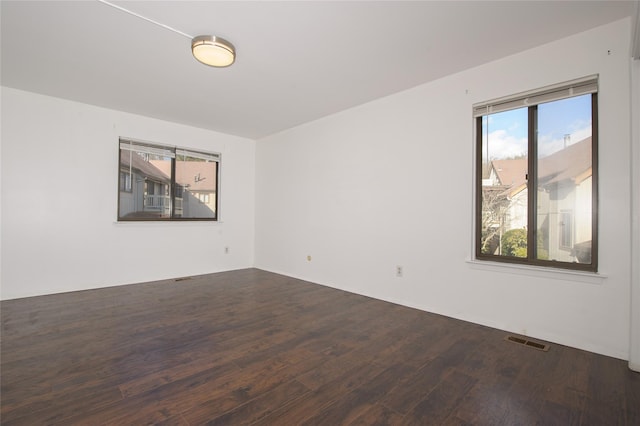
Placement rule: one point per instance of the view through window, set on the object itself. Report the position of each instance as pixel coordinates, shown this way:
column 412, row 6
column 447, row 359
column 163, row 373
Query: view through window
column 166, row 183
column 536, row 187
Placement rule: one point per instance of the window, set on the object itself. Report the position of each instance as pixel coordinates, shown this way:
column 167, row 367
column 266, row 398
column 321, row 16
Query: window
column 166, row 183
column 536, row 177
column 566, row 230
column 125, row 181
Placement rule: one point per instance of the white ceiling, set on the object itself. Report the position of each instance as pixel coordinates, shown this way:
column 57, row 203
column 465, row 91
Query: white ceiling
column 296, row 61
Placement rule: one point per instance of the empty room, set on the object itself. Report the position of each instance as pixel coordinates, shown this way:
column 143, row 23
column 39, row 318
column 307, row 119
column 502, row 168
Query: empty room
column 320, row 212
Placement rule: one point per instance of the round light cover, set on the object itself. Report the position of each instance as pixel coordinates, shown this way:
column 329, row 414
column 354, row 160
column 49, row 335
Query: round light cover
column 213, row 51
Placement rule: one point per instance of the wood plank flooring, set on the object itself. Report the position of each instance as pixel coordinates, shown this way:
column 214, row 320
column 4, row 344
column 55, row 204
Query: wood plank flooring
column 257, row 348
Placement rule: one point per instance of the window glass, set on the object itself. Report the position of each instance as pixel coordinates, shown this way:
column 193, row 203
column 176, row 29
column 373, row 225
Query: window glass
column 150, row 179
column 504, row 183
column 564, row 177
column 164, row 183
column 197, row 178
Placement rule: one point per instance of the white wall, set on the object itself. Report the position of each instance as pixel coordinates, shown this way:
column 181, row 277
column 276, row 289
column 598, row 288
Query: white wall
column 59, row 201
column 390, row 183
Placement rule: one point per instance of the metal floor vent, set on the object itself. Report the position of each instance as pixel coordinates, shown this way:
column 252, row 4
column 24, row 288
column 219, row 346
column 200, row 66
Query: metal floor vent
column 529, row 343
column 182, row 279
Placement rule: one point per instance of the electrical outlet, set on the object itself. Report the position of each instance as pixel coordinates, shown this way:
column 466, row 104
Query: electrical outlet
column 309, row 258
column 226, row 250
column 398, row 271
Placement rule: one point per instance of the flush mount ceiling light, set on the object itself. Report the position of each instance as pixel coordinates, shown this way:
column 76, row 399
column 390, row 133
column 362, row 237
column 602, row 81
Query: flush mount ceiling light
column 213, row 51
column 209, row 50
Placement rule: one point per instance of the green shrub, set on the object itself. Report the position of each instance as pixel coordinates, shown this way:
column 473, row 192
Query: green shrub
column 514, row 243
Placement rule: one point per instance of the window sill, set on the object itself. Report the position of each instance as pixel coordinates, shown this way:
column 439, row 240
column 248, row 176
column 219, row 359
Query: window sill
column 167, row 222
column 534, row 271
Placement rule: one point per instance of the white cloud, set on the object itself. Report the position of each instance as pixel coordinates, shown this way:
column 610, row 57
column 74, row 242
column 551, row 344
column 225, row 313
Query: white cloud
column 503, row 145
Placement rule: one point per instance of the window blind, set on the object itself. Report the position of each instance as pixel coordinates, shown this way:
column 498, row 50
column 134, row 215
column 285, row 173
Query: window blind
column 129, row 145
column 555, row 92
column 200, row 155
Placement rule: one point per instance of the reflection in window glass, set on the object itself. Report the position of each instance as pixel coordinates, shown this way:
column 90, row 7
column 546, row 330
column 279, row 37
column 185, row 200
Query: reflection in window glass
column 196, row 176
column 564, row 179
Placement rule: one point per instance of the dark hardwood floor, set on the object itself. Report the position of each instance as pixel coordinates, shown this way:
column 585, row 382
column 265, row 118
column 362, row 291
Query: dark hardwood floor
column 252, row 347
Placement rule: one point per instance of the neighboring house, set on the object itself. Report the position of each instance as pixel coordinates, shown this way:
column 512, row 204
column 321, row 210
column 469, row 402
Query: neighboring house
column 196, row 186
column 564, row 209
column 144, row 189
column 512, row 175
column 564, row 201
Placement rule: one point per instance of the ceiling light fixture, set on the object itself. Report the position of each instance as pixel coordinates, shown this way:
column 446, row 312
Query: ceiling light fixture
column 213, row 51
column 209, row 50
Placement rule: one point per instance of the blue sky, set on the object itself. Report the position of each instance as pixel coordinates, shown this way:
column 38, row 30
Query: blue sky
column 507, row 130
